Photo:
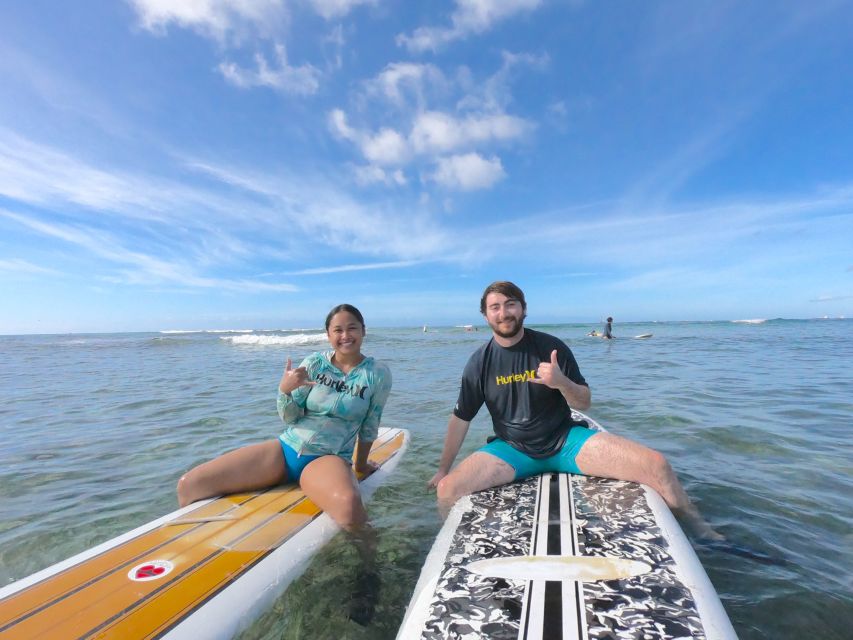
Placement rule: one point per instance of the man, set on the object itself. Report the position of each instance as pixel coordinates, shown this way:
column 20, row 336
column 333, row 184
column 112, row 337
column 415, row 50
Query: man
column 608, row 329
column 529, row 381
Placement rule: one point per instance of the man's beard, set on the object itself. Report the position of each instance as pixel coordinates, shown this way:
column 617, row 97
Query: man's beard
column 519, row 325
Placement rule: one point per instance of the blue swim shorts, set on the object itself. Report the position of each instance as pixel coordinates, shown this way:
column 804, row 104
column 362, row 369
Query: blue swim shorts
column 294, row 463
column 525, row 466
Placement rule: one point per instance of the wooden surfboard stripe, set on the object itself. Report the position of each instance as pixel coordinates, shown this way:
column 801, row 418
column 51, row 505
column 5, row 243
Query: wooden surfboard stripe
column 96, row 594
column 68, row 582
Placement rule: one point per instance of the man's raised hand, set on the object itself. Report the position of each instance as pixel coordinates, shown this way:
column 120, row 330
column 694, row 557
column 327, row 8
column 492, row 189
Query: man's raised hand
column 549, row 373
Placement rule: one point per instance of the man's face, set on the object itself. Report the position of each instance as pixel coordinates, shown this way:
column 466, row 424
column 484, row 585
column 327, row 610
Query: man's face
column 504, row 315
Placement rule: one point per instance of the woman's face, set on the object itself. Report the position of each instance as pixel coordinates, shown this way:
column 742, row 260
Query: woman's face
column 345, row 333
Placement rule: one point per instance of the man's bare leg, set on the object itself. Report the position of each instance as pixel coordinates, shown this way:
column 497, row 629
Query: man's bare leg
column 610, row 456
column 476, row 472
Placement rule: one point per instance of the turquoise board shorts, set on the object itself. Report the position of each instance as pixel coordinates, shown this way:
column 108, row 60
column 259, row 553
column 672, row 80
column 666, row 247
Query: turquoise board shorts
column 563, row 461
column 294, row 463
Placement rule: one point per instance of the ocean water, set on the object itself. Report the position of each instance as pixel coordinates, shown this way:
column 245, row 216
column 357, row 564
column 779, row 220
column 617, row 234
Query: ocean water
column 755, row 417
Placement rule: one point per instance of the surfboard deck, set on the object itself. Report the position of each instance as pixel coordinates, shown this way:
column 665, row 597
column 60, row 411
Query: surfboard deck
column 202, row 572
column 563, row 556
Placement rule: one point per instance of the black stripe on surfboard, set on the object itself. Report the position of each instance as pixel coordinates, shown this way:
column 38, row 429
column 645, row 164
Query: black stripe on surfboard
column 552, row 613
column 575, row 598
column 562, row 604
column 534, row 537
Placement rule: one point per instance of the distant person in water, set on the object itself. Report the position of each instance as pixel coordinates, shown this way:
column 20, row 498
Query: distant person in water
column 608, row 328
column 529, row 382
column 331, row 405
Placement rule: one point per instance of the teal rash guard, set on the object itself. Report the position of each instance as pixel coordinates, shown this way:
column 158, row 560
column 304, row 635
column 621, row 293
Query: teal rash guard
column 326, row 418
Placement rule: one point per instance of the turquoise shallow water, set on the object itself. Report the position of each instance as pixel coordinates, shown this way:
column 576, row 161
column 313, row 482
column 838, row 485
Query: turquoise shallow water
column 755, row 418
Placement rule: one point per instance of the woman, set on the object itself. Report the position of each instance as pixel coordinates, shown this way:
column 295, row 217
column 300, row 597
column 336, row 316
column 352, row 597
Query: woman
column 330, row 401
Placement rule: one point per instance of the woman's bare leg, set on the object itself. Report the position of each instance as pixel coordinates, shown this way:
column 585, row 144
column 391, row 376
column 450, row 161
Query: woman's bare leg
column 331, row 484
column 256, row 466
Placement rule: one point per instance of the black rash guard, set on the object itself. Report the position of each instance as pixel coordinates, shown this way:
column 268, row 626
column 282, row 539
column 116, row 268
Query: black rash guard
column 531, row 417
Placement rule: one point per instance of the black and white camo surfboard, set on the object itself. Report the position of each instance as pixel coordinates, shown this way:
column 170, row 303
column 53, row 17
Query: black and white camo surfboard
column 563, row 557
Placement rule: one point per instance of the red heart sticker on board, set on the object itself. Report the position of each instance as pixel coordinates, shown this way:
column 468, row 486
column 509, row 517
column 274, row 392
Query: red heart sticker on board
column 151, row 570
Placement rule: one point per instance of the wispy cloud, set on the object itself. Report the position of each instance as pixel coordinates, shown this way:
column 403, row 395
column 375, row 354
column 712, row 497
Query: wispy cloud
column 17, row 266
column 170, row 232
column 354, row 267
column 249, row 25
column 302, row 80
column 469, row 17
column 831, row 298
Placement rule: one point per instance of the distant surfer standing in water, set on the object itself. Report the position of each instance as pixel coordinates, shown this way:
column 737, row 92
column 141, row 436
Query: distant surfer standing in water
column 529, row 381
column 608, row 328
column 331, row 405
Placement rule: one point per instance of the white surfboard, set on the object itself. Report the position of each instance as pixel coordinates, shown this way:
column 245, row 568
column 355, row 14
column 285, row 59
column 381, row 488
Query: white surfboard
column 203, row 572
column 563, row 557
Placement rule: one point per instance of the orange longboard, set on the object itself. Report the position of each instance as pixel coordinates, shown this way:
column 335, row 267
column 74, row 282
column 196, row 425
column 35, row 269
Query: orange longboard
column 173, row 577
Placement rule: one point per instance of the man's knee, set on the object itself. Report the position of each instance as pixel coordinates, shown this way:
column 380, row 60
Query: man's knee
column 447, row 490
column 658, row 466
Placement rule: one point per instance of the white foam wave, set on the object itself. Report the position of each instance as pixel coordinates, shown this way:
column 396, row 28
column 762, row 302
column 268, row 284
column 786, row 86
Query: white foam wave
column 264, row 340
column 178, row 331
column 752, row 321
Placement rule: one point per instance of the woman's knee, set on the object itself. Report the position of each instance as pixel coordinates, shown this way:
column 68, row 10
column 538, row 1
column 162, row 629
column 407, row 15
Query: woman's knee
column 349, row 511
column 185, row 489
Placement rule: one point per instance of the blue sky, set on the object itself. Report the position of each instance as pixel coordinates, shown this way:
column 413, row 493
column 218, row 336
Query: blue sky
column 249, row 164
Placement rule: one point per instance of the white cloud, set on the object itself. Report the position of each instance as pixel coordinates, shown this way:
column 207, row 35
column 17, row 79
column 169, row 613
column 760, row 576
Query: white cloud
column 234, row 23
column 470, row 17
column 433, row 133
column 331, row 9
column 401, row 79
column 218, row 19
column 436, row 132
column 468, row 172
column 385, row 147
column 371, row 174
column 302, row 80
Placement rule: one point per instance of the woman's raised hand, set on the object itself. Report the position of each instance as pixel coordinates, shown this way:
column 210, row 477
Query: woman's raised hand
column 294, row 378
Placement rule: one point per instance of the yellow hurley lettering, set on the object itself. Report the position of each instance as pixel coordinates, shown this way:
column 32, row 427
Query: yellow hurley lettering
column 526, row 376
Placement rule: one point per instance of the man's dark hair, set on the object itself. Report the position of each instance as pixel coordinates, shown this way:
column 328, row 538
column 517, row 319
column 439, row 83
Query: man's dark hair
column 506, row 288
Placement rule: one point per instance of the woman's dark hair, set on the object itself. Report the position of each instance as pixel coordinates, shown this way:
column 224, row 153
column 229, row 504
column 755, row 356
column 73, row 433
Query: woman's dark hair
column 349, row 309
column 506, row 288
